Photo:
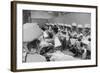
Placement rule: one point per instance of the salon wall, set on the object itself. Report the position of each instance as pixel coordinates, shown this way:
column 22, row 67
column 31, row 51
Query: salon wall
column 69, row 18
column 40, row 17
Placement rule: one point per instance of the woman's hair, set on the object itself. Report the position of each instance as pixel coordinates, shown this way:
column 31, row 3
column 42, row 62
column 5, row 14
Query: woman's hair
column 46, row 50
column 89, row 39
column 33, row 44
column 55, row 29
column 43, row 28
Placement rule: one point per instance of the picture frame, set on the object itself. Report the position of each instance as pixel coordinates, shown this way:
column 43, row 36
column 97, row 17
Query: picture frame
column 17, row 8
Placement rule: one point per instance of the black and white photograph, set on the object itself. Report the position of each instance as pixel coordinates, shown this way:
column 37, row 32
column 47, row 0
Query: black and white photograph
column 53, row 36
column 56, row 36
